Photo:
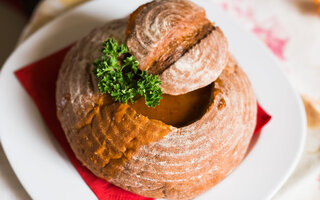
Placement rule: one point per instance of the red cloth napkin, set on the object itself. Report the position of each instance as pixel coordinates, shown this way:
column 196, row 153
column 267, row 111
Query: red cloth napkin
column 39, row 80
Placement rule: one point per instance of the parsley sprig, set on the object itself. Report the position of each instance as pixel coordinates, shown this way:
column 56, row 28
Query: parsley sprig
column 118, row 74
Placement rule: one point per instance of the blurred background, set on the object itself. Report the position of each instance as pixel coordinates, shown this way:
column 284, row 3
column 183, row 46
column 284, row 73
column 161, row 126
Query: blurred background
column 13, row 17
column 289, row 28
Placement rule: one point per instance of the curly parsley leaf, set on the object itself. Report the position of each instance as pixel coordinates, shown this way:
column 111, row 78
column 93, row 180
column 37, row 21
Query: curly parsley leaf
column 118, row 74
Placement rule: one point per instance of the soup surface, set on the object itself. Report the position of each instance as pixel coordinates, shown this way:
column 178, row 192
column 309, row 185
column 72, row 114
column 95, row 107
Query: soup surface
column 178, row 110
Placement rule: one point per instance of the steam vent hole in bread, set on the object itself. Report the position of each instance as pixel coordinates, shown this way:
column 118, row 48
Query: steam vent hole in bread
column 179, row 110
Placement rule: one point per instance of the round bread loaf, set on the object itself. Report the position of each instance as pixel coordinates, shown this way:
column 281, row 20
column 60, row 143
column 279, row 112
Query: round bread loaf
column 145, row 155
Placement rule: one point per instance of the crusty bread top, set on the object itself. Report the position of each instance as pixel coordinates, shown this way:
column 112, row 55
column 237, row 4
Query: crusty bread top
column 198, row 67
column 174, row 38
column 161, row 31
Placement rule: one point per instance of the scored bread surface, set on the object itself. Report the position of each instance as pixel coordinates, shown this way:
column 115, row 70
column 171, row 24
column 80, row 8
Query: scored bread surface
column 174, row 38
column 198, row 67
column 161, row 31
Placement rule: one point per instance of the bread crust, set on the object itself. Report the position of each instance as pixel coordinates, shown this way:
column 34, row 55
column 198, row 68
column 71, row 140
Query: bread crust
column 161, row 31
column 174, row 38
column 198, row 67
column 146, row 156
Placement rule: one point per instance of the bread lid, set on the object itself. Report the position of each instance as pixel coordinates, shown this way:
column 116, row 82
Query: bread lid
column 198, row 67
column 174, row 38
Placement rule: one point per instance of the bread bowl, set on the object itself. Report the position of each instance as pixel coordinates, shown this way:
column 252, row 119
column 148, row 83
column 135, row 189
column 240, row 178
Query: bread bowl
column 170, row 151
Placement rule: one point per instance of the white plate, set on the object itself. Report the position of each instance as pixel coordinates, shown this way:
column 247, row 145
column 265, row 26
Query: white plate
column 44, row 169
